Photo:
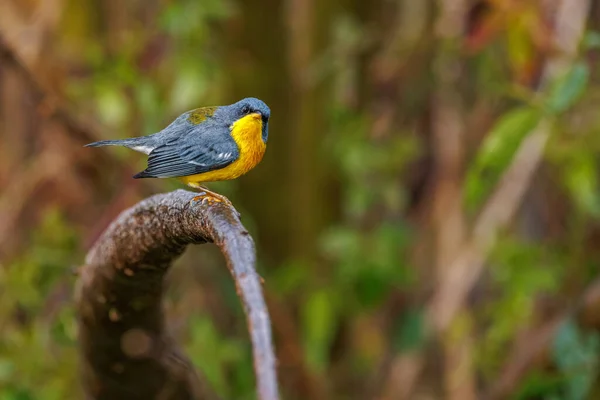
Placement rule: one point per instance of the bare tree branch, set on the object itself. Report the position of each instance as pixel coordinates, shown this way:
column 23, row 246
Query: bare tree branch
column 125, row 347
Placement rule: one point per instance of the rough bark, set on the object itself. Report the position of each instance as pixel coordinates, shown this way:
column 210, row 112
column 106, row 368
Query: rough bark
column 126, row 350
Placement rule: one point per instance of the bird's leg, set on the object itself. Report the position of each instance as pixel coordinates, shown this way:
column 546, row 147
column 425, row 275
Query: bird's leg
column 210, row 197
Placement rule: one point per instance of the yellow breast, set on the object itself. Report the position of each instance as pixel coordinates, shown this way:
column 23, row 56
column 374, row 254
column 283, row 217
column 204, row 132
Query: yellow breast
column 247, row 133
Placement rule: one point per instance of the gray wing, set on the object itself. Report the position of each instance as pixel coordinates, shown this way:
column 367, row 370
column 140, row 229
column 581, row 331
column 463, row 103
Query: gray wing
column 199, row 150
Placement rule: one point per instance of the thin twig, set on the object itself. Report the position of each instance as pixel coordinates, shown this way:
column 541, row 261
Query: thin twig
column 466, row 268
column 126, row 350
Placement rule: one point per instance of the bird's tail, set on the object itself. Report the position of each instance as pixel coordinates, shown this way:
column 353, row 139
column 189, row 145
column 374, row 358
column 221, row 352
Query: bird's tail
column 121, row 142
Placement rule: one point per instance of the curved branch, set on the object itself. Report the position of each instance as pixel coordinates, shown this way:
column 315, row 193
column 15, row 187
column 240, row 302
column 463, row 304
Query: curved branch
column 125, row 347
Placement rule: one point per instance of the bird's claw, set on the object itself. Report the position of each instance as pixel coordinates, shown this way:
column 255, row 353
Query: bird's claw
column 210, row 198
column 207, row 197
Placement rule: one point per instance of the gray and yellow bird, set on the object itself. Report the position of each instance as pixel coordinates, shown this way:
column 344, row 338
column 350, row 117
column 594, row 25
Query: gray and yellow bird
column 205, row 145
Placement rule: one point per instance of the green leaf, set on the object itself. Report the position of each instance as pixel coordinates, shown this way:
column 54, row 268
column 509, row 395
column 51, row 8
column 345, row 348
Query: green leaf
column 372, row 288
column 7, row 369
column 496, row 153
column 408, row 331
column 519, row 273
column 576, row 354
column 519, row 47
column 18, row 394
column 214, row 354
column 567, row 90
column 318, row 316
column 189, row 85
column 543, row 385
column 112, row 105
column 591, row 40
column 581, row 180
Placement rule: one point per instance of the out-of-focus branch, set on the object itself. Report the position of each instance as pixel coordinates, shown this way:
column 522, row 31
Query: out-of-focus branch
column 506, row 198
column 125, row 348
column 449, row 142
column 49, row 104
column 46, row 164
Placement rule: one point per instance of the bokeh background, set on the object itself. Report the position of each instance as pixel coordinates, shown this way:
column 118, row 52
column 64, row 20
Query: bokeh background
column 426, row 215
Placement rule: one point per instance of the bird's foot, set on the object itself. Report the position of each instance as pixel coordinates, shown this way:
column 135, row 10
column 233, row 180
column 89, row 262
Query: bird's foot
column 210, row 197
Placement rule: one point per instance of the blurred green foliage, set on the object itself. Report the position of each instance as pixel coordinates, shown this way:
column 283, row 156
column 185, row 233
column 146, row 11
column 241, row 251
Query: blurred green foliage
column 576, row 354
column 360, row 302
column 225, row 362
column 523, row 271
column 38, row 351
column 497, row 152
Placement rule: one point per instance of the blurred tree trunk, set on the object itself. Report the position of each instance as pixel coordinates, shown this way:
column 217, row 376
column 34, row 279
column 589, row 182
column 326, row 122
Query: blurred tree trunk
column 448, row 223
column 256, row 66
column 260, row 66
column 310, row 24
column 270, row 54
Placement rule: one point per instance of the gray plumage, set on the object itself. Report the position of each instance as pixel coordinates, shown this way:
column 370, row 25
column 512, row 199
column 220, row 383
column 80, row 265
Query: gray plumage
column 197, row 141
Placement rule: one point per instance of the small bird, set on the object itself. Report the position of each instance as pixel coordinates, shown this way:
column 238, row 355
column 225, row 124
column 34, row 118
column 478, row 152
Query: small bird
column 207, row 144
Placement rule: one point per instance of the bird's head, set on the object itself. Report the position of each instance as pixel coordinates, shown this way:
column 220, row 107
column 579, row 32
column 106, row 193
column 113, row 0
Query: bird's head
column 249, row 107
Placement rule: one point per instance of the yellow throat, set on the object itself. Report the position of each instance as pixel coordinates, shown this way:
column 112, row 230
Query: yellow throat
column 247, row 133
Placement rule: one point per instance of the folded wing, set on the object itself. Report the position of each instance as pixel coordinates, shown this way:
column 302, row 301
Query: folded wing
column 194, row 153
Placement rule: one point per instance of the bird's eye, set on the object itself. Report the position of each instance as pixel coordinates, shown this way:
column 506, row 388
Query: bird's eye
column 246, row 110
